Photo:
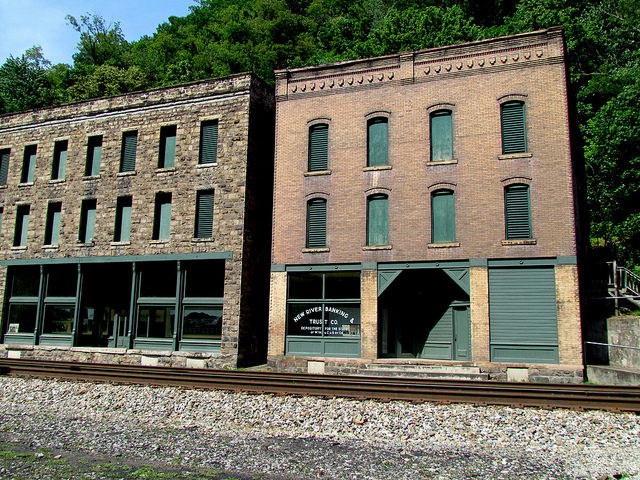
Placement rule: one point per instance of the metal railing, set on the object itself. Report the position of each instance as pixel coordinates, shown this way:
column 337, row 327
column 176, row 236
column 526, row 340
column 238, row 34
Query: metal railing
column 611, row 345
column 625, row 284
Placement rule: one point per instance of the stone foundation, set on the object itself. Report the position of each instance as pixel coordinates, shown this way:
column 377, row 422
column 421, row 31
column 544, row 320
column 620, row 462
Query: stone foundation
column 120, row 356
column 410, row 368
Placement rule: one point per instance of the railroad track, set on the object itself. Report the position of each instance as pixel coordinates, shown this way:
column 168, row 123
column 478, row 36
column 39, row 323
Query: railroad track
column 577, row 397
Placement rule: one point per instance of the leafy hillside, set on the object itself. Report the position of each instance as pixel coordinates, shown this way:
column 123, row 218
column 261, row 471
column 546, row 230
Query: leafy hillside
column 220, row 37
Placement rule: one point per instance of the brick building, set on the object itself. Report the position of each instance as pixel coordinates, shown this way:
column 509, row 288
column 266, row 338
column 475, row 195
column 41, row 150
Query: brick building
column 424, row 214
column 136, row 228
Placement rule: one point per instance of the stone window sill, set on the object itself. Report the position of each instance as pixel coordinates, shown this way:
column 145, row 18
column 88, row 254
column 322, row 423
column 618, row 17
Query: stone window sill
column 80, row 243
column 317, row 173
column 125, row 174
column 55, row 181
column 2, row 187
column 26, row 184
column 524, row 241
column 207, row 165
column 48, row 248
column 442, row 162
column 158, row 242
column 19, row 248
column 315, row 250
column 165, row 170
column 377, row 168
column 443, row 245
column 91, row 177
column 512, row 156
column 376, row 247
column 119, row 244
column 202, row 240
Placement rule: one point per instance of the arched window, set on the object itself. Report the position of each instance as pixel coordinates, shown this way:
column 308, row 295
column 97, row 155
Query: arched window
column 378, row 220
column 377, row 142
column 514, row 139
column 517, row 213
column 443, row 220
column 316, row 223
column 318, row 147
column 441, row 135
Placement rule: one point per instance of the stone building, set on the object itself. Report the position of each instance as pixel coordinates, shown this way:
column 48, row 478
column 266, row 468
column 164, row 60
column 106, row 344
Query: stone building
column 136, row 228
column 425, row 216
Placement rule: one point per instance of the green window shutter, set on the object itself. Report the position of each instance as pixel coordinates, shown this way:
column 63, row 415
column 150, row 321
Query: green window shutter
column 52, row 227
column 378, row 220
column 55, row 226
column 167, row 147
column 441, row 136
column 209, row 142
column 513, row 128
column 517, row 212
column 94, row 154
column 204, row 214
column 165, row 220
column 29, row 164
column 125, row 229
column 318, row 147
column 32, row 166
column 443, row 223
column 22, row 226
column 317, row 223
column 4, row 165
column 162, row 216
column 123, row 219
column 59, row 160
column 378, row 142
column 129, row 146
column 87, row 221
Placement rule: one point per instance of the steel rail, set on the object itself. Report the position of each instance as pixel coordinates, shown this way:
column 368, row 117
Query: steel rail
column 572, row 396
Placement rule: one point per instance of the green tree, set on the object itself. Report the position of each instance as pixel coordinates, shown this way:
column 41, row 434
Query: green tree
column 100, row 43
column 107, row 80
column 23, row 82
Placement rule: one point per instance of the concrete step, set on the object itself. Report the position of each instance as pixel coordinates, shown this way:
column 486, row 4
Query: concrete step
column 444, row 372
column 608, row 375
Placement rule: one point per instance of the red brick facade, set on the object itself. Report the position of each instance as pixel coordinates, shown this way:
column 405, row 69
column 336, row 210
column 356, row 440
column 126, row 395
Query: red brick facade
column 472, row 81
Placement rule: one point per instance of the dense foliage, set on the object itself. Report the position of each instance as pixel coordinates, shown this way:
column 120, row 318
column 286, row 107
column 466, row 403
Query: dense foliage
column 221, row 37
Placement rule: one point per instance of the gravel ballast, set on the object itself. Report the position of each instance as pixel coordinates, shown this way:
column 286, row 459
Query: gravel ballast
column 286, row 437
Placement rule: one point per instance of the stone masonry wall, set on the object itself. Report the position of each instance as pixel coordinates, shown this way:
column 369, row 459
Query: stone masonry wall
column 226, row 100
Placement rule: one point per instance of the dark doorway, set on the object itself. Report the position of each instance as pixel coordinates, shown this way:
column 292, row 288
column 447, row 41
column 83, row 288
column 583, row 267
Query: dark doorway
column 105, row 305
column 424, row 314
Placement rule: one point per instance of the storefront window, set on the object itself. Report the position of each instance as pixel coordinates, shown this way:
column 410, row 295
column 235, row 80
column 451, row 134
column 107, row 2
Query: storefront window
column 22, row 318
column 204, row 279
column 58, row 319
column 324, row 304
column 25, row 281
column 156, row 322
column 199, row 323
column 59, row 301
column 23, row 301
column 158, row 279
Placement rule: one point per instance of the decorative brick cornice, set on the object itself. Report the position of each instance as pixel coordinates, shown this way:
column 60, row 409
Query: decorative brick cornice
column 517, row 51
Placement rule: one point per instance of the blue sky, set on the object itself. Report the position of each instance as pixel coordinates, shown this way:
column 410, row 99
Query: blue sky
column 24, row 23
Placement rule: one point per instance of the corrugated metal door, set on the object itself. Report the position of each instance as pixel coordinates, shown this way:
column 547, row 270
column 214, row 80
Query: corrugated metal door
column 523, row 315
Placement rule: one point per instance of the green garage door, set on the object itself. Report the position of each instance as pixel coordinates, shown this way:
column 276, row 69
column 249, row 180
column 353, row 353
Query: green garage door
column 522, row 315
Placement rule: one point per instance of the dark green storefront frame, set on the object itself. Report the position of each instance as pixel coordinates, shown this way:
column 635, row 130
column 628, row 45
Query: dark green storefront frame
column 298, row 345
column 69, row 340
